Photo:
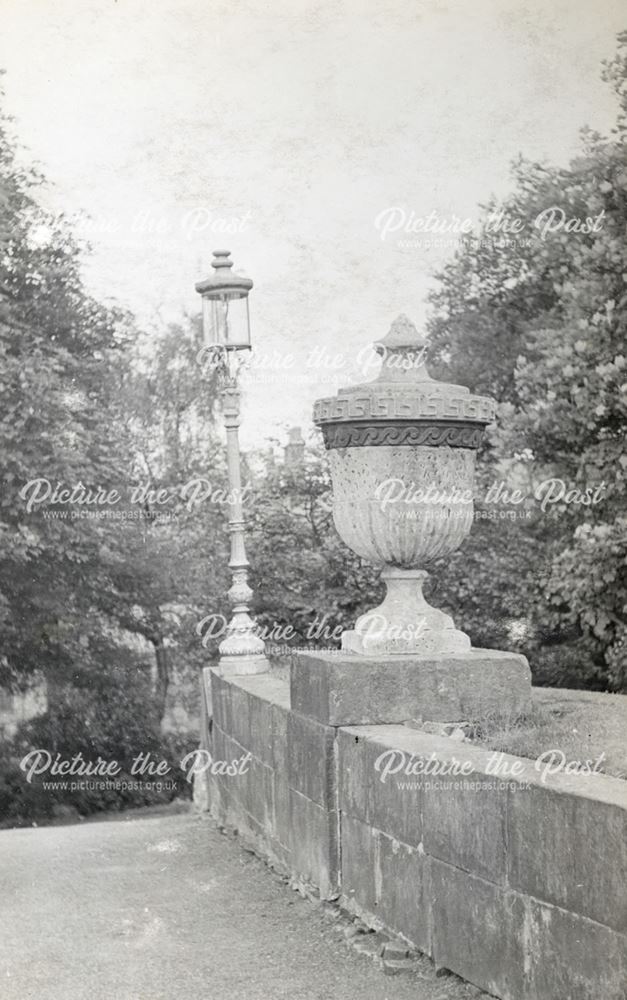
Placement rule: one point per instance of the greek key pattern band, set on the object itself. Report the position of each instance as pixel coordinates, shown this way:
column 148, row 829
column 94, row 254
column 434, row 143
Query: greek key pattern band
column 433, row 434
column 389, row 405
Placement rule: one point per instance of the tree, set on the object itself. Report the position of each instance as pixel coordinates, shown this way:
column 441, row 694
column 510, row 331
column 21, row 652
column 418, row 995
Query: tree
column 539, row 322
column 169, row 564
column 61, row 358
column 307, row 581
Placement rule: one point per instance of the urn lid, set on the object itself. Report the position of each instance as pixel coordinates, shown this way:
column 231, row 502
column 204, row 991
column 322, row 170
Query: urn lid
column 404, row 405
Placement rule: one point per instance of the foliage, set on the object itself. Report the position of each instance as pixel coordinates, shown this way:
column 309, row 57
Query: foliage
column 306, row 580
column 539, row 322
column 95, row 722
column 81, row 406
column 61, row 357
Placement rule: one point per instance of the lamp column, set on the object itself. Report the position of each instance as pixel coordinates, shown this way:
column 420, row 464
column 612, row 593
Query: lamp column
column 226, row 327
column 242, row 648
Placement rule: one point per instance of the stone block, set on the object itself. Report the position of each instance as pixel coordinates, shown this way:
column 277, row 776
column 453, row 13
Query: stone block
column 281, row 802
column 311, row 768
column 314, row 844
column 269, row 686
column 570, row 956
column 240, row 707
column 569, row 847
column 279, row 739
column 358, row 884
column 260, row 727
column 341, row 689
column 355, row 766
column 252, row 790
column 386, row 882
column 464, row 823
column 403, row 873
column 395, row 810
column 251, row 708
column 223, row 693
column 217, row 796
column 479, row 932
column 268, row 705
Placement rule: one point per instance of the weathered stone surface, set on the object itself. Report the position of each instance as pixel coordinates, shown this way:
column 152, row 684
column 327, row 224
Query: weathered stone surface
column 342, row 689
column 311, row 767
column 281, row 802
column 230, row 708
column 519, row 949
column 358, row 884
column 405, row 622
column 253, row 789
column 246, row 707
column 396, row 966
column 424, row 856
column 279, row 774
column 394, row 949
column 355, row 768
column 568, row 845
column 478, row 932
column 264, row 704
column 279, row 738
column 267, row 686
column 260, row 727
column 464, row 823
column 404, row 908
column 217, row 802
column 314, row 844
column 386, row 882
column 397, row 811
column 255, row 804
column 570, row 956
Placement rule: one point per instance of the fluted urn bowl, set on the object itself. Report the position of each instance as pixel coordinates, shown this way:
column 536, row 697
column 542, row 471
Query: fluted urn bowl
column 402, row 456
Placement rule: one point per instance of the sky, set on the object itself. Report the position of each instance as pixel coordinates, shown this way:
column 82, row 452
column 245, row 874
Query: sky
column 303, row 136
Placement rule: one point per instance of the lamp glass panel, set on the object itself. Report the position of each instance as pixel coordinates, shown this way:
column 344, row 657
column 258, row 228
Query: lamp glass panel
column 208, row 329
column 231, row 320
column 226, row 320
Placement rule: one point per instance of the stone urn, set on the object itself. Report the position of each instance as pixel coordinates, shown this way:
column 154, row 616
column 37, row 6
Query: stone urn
column 402, row 454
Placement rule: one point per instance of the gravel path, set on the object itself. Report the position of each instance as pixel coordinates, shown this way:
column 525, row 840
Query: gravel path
column 168, row 908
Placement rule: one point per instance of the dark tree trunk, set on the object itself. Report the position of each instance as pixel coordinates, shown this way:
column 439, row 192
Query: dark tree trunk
column 163, row 675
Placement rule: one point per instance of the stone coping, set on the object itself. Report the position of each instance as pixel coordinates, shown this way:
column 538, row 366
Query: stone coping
column 597, row 787
column 272, row 687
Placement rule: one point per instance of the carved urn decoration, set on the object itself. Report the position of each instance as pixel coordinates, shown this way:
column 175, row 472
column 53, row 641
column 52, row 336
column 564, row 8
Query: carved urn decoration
column 402, row 453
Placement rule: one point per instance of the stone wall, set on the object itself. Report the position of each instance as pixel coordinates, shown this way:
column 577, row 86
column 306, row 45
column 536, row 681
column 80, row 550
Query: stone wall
column 515, row 884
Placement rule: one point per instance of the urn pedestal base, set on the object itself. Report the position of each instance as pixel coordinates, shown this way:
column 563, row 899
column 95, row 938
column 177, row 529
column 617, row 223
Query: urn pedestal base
column 404, row 622
column 343, row 689
column 238, row 666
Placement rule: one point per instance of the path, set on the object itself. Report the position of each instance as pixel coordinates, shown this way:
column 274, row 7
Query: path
column 168, row 908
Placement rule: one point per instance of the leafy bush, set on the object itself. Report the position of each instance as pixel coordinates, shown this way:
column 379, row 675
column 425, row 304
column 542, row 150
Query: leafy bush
column 114, row 720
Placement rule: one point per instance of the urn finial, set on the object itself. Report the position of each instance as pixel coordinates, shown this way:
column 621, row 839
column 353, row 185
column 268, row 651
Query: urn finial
column 403, row 351
column 402, row 333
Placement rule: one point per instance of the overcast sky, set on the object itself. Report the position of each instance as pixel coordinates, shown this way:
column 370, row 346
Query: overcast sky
column 298, row 124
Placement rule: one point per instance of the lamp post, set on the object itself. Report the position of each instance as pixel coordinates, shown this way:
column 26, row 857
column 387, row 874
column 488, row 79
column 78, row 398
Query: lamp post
column 226, row 331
